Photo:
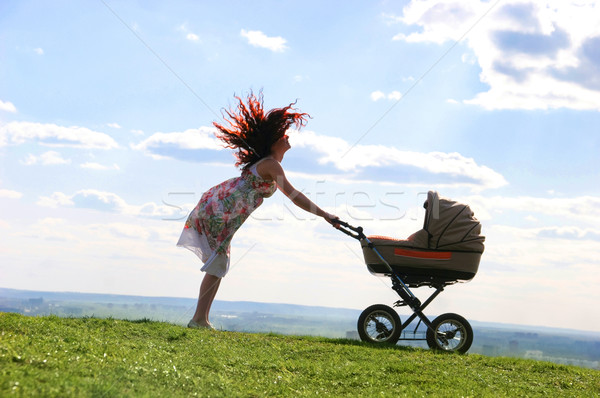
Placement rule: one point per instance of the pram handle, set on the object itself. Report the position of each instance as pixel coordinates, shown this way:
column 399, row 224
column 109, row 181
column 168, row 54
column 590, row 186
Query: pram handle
column 349, row 229
column 357, row 233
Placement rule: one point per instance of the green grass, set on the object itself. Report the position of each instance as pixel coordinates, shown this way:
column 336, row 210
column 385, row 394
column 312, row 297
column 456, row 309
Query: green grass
column 52, row 356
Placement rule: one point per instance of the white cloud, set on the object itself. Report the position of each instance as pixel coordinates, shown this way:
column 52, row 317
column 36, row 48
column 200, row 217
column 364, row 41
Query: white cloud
column 338, row 152
column 569, row 232
column 189, row 35
column 109, row 202
column 580, row 208
column 7, row 106
column 159, row 144
column 16, row 133
column 114, row 125
column 301, row 78
column 55, row 229
column 534, row 248
column 55, row 200
column 440, row 20
column 257, row 38
column 332, row 151
column 98, row 166
column 378, row 95
column 394, row 95
column 8, row 194
column 46, row 159
column 39, row 51
column 538, row 55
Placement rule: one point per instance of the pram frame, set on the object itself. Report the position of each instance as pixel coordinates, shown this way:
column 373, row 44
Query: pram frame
column 398, row 285
column 409, row 299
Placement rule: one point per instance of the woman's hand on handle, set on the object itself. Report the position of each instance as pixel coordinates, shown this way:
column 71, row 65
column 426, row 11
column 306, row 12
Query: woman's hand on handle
column 332, row 219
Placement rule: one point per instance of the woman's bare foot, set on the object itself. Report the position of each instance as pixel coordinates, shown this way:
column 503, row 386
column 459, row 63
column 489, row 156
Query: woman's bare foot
column 197, row 325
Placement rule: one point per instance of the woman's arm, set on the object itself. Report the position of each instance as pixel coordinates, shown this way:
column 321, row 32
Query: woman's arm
column 272, row 170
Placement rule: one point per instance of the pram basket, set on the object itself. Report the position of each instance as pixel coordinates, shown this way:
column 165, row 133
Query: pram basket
column 447, row 250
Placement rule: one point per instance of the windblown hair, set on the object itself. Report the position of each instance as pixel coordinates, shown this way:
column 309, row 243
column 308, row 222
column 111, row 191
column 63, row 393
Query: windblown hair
column 252, row 131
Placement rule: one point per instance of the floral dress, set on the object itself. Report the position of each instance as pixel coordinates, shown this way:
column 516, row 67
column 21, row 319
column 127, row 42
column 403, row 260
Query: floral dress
column 220, row 212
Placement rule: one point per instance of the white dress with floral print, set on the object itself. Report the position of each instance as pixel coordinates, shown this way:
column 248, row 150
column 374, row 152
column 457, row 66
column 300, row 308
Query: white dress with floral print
column 219, row 213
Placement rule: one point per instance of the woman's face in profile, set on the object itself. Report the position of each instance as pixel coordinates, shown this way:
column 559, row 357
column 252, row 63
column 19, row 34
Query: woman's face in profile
column 282, row 144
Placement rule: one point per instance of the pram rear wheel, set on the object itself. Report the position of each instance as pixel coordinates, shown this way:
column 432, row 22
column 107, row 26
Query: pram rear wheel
column 453, row 333
column 379, row 324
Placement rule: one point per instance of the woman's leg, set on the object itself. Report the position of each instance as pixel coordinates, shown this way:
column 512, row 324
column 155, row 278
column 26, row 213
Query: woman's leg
column 208, row 291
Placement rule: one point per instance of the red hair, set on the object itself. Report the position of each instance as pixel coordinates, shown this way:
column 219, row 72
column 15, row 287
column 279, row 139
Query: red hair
column 252, row 131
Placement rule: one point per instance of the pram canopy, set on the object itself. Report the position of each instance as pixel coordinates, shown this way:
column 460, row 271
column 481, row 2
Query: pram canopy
column 448, row 225
column 448, row 248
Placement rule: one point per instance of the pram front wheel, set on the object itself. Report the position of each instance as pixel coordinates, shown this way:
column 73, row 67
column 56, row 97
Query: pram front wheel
column 379, row 324
column 453, row 333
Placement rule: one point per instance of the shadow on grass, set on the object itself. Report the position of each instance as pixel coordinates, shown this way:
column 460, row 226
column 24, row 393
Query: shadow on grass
column 346, row 342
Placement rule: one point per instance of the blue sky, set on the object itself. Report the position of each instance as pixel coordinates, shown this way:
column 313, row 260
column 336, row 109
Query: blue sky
column 106, row 111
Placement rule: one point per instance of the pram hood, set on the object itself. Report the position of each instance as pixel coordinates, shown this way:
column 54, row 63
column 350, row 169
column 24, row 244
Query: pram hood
column 448, row 225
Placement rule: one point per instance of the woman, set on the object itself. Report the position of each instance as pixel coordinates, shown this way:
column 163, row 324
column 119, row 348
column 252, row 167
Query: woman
column 261, row 143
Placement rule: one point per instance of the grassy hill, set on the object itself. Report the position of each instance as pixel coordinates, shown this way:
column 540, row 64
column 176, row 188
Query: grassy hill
column 52, row 356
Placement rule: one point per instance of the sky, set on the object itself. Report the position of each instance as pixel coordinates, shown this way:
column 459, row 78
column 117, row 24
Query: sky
column 106, row 144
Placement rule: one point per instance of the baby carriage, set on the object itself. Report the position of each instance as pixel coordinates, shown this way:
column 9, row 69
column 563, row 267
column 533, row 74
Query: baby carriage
column 446, row 251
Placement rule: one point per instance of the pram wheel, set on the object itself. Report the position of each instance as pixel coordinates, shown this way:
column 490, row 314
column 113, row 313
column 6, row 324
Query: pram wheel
column 379, row 324
column 452, row 333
